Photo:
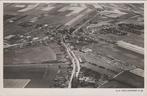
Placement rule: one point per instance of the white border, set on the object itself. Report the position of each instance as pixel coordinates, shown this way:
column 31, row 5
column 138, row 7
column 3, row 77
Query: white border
column 64, row 91
column 72, row 1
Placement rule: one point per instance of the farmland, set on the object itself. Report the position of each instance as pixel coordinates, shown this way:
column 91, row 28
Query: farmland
column 73, row 45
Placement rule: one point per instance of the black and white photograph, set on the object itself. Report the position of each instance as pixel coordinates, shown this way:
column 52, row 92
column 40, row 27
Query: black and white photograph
column 73, row 45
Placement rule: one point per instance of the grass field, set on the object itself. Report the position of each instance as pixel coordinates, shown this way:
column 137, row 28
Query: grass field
column 29, row 55
column 31, row 21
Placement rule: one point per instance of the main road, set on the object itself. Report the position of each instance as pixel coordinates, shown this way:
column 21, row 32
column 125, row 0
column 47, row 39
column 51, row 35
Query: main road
column 71, row 54
column 75, row 63
column 73, row 57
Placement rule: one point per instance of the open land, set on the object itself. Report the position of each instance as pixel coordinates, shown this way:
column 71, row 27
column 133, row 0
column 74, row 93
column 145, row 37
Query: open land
column 73, row 45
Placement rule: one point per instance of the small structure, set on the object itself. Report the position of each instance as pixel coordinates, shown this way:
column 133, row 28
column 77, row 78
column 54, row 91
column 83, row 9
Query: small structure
column 9, row 37
column 87, row 50
column 35, row 38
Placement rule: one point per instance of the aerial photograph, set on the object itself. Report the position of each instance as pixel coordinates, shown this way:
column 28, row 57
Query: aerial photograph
column 73, row 45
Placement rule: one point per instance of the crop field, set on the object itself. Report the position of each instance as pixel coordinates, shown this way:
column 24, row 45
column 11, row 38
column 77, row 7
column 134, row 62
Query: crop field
column 48, row 42
column 40, row 76
column 134, row 16
column 24, row 13
column 29, row 55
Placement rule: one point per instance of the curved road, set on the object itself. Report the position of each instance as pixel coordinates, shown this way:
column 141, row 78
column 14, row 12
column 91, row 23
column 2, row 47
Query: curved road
column 74, row 59
column 76, row 67
column 75, row 62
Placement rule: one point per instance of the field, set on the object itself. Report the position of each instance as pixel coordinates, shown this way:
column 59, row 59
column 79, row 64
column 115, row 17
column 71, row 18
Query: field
column 105, row 45
column 40, row 76
column 54, row 16
column 38, row 36
column 29, row 55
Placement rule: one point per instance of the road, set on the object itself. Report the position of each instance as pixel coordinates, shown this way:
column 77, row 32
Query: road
column 71, row 54
column 33, row 64
column 22, row 44
column 111, row 79
column 75, row 62
column 86, row 21
column 74, row 59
